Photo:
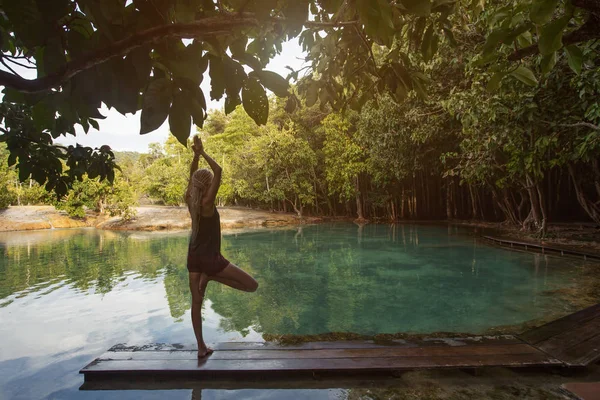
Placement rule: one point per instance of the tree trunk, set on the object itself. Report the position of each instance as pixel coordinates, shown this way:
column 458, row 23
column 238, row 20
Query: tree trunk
column 473, row 203
column 449, row 214
column 402, row 209
column 359, row 202
column 537, row 219
column 592, row 209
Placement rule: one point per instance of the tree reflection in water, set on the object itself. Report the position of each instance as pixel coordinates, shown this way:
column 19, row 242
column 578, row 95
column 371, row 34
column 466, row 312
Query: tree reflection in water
column 314, row 279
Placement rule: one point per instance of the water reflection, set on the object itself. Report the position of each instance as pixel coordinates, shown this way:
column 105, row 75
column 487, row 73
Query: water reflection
column 68, row 295
column 366, row 279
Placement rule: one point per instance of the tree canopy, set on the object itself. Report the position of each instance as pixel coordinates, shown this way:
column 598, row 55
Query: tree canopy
column 152, row 55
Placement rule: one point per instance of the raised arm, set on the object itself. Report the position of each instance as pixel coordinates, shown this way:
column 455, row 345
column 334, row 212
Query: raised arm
column 211, row 195
column 193, row 167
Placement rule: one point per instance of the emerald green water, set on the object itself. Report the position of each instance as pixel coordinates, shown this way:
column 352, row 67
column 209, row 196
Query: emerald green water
column 68, row 295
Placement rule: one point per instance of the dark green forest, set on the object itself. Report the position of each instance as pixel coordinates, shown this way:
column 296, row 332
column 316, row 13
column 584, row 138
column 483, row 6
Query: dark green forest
column 405, row 110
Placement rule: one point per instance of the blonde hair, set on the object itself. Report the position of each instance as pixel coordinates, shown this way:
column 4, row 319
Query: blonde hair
column 199, row 183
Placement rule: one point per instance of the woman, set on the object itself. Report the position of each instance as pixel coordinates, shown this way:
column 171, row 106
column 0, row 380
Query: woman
column 205, row 262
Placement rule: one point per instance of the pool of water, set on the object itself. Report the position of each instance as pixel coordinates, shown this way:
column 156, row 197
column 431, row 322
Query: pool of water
column 66, row 296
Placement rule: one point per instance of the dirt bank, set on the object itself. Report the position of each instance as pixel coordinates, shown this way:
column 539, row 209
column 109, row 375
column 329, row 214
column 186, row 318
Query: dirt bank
column 25, row 218
column 177, row 218
column 147, row 219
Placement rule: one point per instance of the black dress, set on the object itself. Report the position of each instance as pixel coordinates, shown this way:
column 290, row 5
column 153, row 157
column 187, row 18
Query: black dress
column 204, row 250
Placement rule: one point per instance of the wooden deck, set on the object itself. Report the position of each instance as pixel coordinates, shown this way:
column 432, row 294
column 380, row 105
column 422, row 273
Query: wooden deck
column 246, row 363
column 541, row 248
column 571, row 341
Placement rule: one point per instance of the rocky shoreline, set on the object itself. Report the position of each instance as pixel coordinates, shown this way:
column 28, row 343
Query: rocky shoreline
column 149, row 218
column 578, row 236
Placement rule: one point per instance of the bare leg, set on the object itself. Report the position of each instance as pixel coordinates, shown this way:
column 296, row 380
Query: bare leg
column 198, row 283
column 236, row 278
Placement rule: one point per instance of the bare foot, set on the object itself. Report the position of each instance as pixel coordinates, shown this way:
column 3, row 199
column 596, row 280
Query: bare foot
column 204, row 351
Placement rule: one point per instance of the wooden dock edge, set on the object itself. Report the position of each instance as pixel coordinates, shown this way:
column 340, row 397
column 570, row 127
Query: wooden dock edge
column 540, row 248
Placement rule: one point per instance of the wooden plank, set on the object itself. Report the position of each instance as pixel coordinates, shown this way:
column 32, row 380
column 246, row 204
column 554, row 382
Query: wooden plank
column 367, row 344
column 518, row 348
column 572, row 337
column 345, row 344
column 560, row 325
column 583, row 390
column 215, row 367
column 329, row 381
column 582, row 354
column 543, row 247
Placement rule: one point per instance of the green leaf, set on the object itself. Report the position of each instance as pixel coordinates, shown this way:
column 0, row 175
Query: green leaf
column 255, row 101
column 217, row 78
column 185, row 10
column 296, row 12
column 312, row 93
column 574, row 57
column 197, row 112
column 420, row 8
column 185, row 69
column 495, row 81
column 231, row 102
column 548, row 62
column 542, row 10
column 155, row 104
column 551, row 36
column 426, row 43
column 525, row 75
column 43, row 116
column 369, row 14
column 26, row 20
column 180, row 121
column 272, row 81
column 54, row 56
column 494, row 39
column 238, row 47
column 125, row 86
column 94, row 124
column 290, row 104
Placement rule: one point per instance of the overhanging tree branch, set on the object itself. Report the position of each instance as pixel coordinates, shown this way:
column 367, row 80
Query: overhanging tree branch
column 588, row 31
column 575, row 125
column 206, row 27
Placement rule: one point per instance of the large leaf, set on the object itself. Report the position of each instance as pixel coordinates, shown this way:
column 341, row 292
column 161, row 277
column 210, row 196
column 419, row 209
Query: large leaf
column 551, row 36
column 255, row 101
column 217, row 78
column 417, row 7
column 180, row 121
column 312, row 93
column 495, row 81
column 548, row 62
column 272, row 81
column 231, row 102
column 26, row 19
column 525, row 75
column 427, row 44
column 369, row 14
column 495, row 37
column 125, row 86
column 54, row 56
column 185, row 10
column 541, row 11
column 296, row 12
column 574, row 57
column 155, row 104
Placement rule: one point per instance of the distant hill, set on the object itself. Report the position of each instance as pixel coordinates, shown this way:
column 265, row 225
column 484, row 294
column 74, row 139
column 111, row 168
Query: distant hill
column 126, row 157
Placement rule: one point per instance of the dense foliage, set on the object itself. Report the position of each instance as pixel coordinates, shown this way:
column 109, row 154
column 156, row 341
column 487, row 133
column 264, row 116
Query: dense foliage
column 443, row 109
column 131, row 55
